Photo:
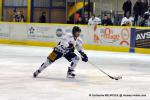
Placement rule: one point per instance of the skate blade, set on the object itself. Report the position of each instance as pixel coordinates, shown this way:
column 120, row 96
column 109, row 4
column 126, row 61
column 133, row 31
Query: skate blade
column 71, row 77
column 35, row 75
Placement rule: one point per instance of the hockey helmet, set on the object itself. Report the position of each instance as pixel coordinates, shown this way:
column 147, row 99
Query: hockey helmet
column 75, row 29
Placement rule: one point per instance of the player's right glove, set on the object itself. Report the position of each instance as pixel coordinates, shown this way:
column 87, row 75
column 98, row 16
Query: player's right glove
column 83, row 56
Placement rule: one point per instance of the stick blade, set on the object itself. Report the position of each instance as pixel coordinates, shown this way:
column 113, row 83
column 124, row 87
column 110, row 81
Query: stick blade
column 116, row 77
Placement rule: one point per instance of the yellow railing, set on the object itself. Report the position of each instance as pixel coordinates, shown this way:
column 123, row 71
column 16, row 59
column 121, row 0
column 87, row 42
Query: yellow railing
column 0, row 10
column 29, row 11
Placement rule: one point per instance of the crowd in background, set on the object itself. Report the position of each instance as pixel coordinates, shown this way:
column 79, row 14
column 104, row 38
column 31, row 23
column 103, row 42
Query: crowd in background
column 134, row 15
column 18, row 16
column 138, row 16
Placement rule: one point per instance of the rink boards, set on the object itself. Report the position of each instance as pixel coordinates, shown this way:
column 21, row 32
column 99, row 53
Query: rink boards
column 106, row 38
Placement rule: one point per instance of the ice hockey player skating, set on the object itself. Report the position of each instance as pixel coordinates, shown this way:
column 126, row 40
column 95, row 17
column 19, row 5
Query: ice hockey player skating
column 65, row 48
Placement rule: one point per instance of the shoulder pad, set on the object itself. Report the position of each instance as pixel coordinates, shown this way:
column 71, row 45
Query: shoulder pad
column 80, row 40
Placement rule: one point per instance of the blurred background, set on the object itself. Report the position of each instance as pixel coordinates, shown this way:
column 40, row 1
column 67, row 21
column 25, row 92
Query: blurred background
column 70, row 11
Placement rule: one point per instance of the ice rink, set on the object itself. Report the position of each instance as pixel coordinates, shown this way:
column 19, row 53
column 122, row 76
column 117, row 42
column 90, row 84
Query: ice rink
column 17, row 64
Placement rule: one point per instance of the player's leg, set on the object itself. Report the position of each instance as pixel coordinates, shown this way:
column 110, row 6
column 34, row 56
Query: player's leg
column 73, row 58
column 50, row 59
column 42, row 67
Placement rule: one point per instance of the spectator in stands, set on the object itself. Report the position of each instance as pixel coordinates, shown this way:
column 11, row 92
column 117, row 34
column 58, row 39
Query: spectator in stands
column 43, row 18
column 94, row 20
column 127, row 20
column 146, row 20
column 148, row 11
column 80, row 21
column 18, row 17
column 77, row 18
column 10, row 15
column 137, row 11
column 100, row 20
column 22, row 16
column 106, row 21
column 144, row 6
column 127, row 7
column 14, row 14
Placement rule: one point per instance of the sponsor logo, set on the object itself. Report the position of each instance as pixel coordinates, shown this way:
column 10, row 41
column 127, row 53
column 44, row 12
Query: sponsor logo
column 31, row 30
column 125, row 35
column 143, row 36
column 109, row 37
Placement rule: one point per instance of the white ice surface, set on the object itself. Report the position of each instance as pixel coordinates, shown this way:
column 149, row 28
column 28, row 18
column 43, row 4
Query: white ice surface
column 17, row 63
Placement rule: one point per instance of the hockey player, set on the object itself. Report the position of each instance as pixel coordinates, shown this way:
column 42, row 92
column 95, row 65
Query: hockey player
column 65, row 48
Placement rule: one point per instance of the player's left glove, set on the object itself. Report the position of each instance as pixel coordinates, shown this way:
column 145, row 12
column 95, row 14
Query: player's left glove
column 83, row 56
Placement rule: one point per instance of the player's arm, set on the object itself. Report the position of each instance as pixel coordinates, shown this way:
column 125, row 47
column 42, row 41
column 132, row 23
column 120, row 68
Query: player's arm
column 81, row 51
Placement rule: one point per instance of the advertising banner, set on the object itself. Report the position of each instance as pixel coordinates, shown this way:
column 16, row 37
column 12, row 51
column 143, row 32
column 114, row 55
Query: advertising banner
column 4, row 31
column 40, row 32
column 142, row 38
column 109, row 36
column 47, row 33
column 18, row 32
column 95, row 35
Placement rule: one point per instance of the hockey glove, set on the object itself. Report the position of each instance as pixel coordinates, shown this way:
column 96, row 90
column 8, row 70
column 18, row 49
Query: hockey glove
column 83, row 56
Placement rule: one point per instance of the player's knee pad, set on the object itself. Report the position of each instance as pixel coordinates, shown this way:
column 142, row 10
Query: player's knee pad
column 75, row 59
column 74, row 62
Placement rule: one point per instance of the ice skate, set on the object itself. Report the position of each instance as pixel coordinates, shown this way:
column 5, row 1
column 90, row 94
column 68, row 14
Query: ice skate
column 70, row 73
column 36, row 73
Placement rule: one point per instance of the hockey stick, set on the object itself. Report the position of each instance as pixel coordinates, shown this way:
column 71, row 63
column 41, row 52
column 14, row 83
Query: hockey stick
column 112, row 77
